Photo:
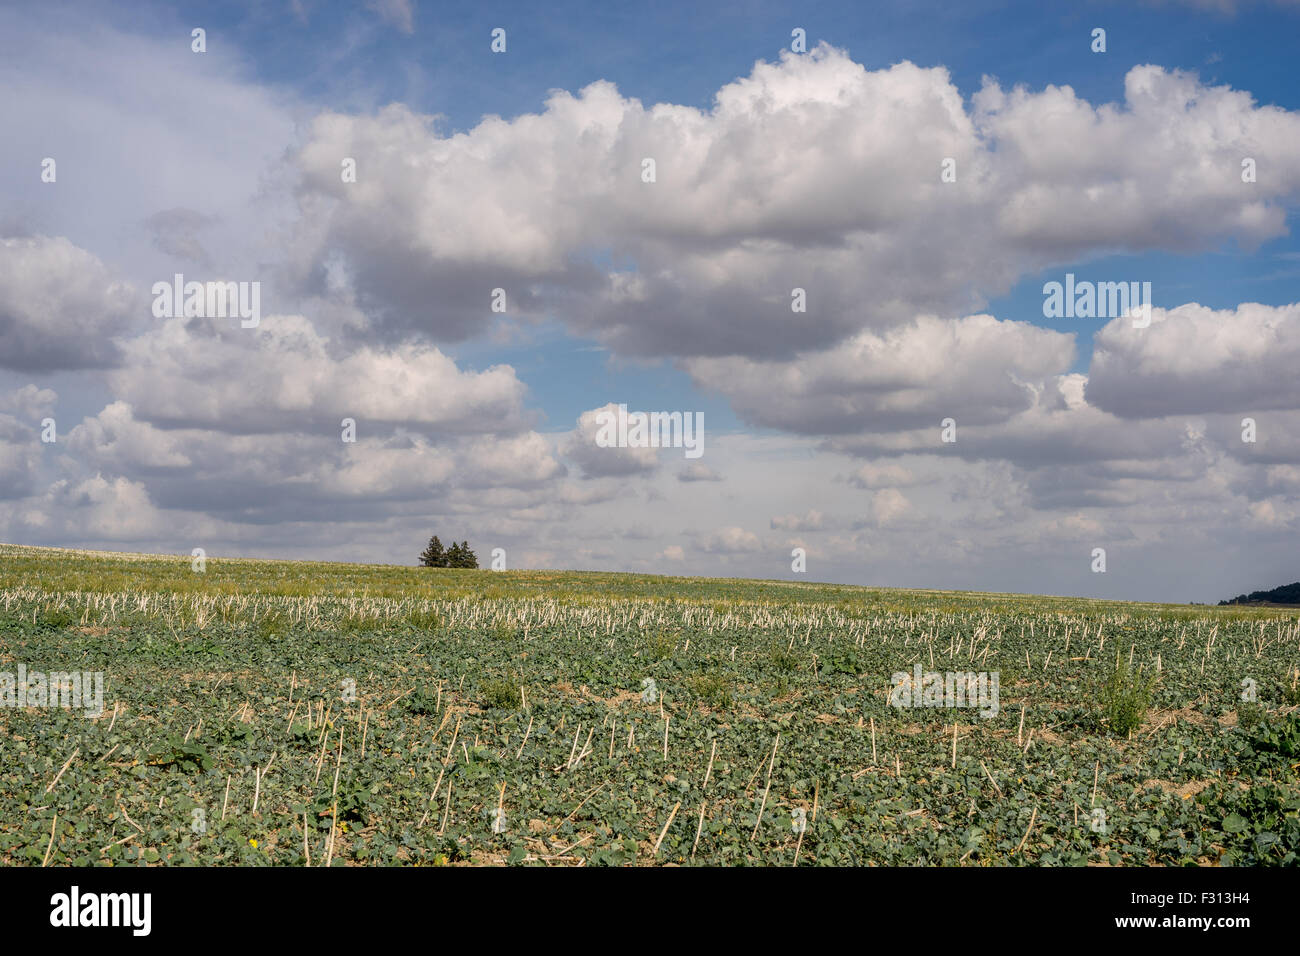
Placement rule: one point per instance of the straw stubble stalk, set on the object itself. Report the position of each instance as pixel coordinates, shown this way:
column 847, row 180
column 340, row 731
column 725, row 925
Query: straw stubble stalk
column 574, row 749
column 586, row 745
column 1032, row 817
column 338, row 763
column 334, row 826
column 451, row 747
column 447, row 811
column 320, row 760
column 50, row 846
column 766, row 789
column 525, row 740
column 991, row 780
column 698, row 827
column 664, row 831
column 433, row 796
column 66, row 765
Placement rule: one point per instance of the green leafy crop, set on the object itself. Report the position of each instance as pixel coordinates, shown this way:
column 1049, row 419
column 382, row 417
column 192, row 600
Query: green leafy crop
column 1125, row 697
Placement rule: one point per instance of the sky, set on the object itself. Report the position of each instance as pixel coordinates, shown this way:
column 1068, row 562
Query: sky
column 915, row 416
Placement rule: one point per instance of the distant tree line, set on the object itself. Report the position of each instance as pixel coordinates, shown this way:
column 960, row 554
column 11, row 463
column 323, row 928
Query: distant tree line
column 1286, row 594
column 457, row 556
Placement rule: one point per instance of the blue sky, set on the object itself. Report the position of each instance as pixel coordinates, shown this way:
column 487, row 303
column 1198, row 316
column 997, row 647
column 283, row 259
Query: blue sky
column 683, row 52
column 817, row 170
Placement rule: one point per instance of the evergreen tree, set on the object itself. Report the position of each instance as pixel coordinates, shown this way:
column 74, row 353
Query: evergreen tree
column 1286, row 594
column 459, row 555
column 434, row 556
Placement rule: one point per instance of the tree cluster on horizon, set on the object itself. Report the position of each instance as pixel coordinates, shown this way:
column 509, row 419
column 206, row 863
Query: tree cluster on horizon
column 1286, row 594
column 457, row 556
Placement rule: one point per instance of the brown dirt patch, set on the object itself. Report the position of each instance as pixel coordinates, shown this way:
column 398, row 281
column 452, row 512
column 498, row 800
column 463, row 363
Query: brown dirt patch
column 1161, row 719
column 1186, row 790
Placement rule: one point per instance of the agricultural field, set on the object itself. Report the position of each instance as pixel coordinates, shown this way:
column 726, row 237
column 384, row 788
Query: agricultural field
column 294, row 714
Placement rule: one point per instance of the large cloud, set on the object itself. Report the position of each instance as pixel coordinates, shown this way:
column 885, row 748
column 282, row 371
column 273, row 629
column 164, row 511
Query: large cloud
column 19, row 444
column 22, row 412
column 279, row 477
column 59, row 306
column 1162, row 172
column 285, row 375
column 979, row 369
column 597, row 461
column 1194, row 360
column 811, row 173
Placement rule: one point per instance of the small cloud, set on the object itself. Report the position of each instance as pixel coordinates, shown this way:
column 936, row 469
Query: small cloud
column 731, row 540
column 29, row 402
column 872, row 477
column 812, row 521
column 888, row 504
column 696, row 471
column 175, row 232
column 399, row 13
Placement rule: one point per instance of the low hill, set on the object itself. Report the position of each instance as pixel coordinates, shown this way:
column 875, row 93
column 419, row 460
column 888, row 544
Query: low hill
column 1286, row 594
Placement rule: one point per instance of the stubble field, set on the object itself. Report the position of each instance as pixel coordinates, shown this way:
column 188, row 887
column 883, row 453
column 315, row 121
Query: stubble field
column 292, row 714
